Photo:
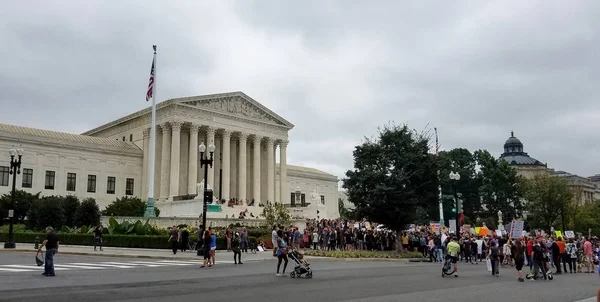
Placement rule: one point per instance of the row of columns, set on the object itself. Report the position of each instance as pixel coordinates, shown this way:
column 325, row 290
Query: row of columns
column 170, row 162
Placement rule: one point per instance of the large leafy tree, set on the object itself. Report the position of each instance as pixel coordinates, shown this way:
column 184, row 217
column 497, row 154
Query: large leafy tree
column 88, row 213
column 127, row 206
column 463, row 162
column 70, row 204
column 548, row 199
column 394, row 175
column 23, row 201
column 500, row 189
column 45, row 212
column 276, row 214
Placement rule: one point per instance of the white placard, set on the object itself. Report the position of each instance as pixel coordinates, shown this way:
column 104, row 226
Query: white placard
column 569, row 234
column 11, row 213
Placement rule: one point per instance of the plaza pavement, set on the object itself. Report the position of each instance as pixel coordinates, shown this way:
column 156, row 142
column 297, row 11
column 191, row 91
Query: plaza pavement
column 99, row 278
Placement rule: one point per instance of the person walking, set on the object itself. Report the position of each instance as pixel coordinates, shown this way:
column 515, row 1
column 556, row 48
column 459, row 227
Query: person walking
column 213, row 246
column 98, row 237
column 494, row 256
column 174, row 238
column 185, row 239
column 51, row 243
column 244, row 240
column 571, row 257
column 281, row 253
column 235, row 247
column 206, row 240
column 518, row 252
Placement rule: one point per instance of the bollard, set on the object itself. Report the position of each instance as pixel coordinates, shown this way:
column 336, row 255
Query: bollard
column 37, row 243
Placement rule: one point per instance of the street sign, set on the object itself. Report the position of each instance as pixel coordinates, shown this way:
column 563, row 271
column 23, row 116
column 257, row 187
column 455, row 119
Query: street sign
column 11, row 213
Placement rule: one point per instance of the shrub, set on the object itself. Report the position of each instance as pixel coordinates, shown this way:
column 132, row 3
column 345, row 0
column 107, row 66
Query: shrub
column 46, row 212
column 128, row 206
column 87, row 214
column 69, row 204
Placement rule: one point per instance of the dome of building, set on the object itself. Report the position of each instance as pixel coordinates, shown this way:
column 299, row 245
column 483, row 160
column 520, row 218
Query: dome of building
column 514, row 154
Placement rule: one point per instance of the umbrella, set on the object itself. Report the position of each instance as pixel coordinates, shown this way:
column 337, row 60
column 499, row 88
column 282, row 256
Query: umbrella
column 38, row 261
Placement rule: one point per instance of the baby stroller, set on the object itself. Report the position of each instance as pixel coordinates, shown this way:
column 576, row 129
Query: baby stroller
column 302, row 266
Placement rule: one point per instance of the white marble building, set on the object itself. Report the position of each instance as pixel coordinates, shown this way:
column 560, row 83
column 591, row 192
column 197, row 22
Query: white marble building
column 111, row 161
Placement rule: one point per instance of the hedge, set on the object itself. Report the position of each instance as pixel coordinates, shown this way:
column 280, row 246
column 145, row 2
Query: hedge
column 130, row 241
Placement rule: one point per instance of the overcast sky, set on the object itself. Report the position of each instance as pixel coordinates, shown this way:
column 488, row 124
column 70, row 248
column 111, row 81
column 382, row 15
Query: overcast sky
column 336, row 69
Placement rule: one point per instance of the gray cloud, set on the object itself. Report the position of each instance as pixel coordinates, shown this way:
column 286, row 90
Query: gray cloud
column 336, row 69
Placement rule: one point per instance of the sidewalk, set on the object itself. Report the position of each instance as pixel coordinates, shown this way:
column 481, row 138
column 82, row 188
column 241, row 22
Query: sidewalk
column 164, row 254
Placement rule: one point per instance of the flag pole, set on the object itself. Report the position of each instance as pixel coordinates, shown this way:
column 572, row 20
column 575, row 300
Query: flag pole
column 441, row 201
column 150, row 203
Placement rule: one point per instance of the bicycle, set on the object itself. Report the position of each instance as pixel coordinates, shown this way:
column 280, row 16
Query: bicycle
column 447, row 266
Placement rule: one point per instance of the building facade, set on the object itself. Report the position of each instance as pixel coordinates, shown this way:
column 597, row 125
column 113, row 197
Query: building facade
column 585, row 189
column 112, row 160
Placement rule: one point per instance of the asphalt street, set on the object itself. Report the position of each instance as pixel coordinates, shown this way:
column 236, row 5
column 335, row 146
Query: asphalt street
column 93, row 278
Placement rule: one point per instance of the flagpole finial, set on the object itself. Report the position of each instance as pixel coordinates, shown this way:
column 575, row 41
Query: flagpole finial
column 154, row 47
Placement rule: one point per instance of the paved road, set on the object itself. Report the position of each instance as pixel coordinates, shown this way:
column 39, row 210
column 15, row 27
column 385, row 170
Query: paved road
column 89, row 278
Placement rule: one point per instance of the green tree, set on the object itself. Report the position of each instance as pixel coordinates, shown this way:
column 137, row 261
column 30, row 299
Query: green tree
column 548, row 198
column 345, row 213
column 88, row 213
column 587, row 218
column 128, row 206
column 500, row 190
column 276, row 214
column 44, row 212
column 393, row 176
column 69, row 204
column 23, row 201
column 463, row 162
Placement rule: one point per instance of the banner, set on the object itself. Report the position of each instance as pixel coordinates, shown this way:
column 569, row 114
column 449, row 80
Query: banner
column 516, row 230
column 569, row 234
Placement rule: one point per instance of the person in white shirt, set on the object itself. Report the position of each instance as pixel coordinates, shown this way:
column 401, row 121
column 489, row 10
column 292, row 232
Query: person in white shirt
column 274, row 240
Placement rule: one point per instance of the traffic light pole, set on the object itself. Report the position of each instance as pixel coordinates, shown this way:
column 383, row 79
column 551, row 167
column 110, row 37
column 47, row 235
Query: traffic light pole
column 456, row 215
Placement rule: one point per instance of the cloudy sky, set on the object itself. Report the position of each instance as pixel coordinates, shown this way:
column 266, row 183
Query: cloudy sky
column 336, row 69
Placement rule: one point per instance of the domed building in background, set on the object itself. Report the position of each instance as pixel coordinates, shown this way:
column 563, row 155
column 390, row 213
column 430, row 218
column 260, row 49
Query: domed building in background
column 587, row 189
column 515, row 155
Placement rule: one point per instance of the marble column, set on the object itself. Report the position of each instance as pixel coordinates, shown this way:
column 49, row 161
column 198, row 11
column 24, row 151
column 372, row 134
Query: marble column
column 283, row 191
column 270, row 170
column 165, row 161
column 256, row 170
column 175, row 155
column 193, row 160
column 210, row 139
column 242, row 167
column 226, row 163
column 146, row 162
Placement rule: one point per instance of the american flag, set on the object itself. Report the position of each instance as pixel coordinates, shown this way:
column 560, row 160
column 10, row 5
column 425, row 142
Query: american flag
column 150, row 91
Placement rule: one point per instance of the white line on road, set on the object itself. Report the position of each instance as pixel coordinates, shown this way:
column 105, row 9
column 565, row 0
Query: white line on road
column 16, row 270
column 105, row 265
column 160, row 263
column 77, row 266
column 590, row 299
column 33, row 267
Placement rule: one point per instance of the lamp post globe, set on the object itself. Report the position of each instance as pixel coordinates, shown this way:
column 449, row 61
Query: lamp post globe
column 15, row 168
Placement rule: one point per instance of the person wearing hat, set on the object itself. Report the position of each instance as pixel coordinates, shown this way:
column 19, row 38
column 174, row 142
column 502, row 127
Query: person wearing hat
column 51, row 243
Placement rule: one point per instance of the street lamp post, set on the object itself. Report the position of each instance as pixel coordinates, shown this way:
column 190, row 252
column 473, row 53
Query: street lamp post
column 15, row 168
column 206, row 162
column 455, row 177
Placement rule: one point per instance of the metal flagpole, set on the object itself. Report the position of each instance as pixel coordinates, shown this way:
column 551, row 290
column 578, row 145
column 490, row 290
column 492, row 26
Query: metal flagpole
column 437, row 146
column 150, row 203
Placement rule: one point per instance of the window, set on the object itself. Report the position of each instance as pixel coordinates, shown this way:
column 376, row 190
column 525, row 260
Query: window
column 71, row 181
column 110, row 185
column 27, row 178
column 322, row 199
column 123, row 138
column 129, row 186
column 131, row 137
column 91, row 184
column 4, row 174
column 49, row 185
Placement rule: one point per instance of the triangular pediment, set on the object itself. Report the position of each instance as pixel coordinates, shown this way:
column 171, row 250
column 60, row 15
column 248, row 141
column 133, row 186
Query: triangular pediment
column 236, row 104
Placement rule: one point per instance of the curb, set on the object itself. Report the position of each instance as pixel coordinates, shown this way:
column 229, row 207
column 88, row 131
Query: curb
column 116, row 255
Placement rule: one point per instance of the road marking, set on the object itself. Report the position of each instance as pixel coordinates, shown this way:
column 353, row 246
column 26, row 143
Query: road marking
column 15, row 270
column 33, row 267
column 590, row 299
column 77, row 266
column 159, row 263
column 105, row 265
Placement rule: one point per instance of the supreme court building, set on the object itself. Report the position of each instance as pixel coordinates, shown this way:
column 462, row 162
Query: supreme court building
column 112, row 160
